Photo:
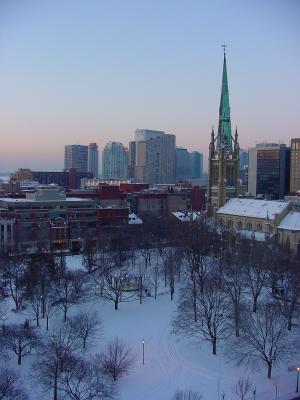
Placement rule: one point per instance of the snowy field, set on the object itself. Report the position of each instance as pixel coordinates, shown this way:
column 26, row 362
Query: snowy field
column 170, row 363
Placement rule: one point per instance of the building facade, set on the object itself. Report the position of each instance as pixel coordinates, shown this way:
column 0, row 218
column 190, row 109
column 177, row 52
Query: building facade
column 196, row 165
column 295, row 165
column 93, row 159
column 269, row 171
column 76, row 157
column 155, row 157
column 183, row 164
column 224, row 161
column 114, row 161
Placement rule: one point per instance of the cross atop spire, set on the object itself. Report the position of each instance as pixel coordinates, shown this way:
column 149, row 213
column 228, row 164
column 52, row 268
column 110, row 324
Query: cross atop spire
column 224, row 48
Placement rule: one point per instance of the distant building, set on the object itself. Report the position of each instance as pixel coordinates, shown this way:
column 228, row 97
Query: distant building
column 155, row 157
column 183, row 164
column 76, row 157
column 22, row 174
column 288, row 233
column 295, row 165
column 269, row 170
column 60, row 178
column 131, row 160
column 114, row 161
column 196, row 164
column 93, row 159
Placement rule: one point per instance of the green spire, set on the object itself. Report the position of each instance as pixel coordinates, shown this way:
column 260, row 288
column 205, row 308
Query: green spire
column 224, row 128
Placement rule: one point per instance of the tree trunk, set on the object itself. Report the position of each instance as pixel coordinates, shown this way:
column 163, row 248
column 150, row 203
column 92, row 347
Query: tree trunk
column 65, row 315
column 47, row 323
column 19, row 359
column 116, row 304
column 289, row 323
column 269, row 370
column 214, row 344
column 55, row 389
column 254, row 304
column 37, row 321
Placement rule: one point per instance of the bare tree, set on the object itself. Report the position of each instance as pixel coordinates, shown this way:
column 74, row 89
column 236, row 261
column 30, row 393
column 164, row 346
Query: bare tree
column 263, row 338
column 50, row 308
column 115, row 283
column 154, row 277
column 20, row 339
column 187, row 395
column 68, row 291
column 211, row 324
column 234, row 284
column 142, row 279
column 243, row 388
column 117, row 359
column 85, row 326
column 287, row 295
column 14, row 274
column 10, row 388
column 89, row 258
column 255, row 260
column 83, row 380
column 55, row 355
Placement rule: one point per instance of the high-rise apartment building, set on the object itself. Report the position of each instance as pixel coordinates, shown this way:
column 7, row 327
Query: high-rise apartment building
column 196, row 164
column 295, row 165
column 183, row 164
column 93, row 159
column 154, row 157
column 131, row 160
column 76, row 157
column 269, row 170
column 114, row 161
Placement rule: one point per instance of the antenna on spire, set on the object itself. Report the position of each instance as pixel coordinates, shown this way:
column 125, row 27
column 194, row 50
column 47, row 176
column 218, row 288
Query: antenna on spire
column 224, row 48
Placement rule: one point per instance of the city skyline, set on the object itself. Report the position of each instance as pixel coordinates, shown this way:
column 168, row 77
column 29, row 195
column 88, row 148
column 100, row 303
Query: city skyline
column 78, row 74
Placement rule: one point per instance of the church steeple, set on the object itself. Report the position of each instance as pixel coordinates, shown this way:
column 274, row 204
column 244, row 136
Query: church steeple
column 224, row 127
column 223, row 167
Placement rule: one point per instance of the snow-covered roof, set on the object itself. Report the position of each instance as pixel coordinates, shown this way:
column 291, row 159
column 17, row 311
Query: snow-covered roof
column 185, row 216
column 253, row 208
column 134, row 219
column 291, row 222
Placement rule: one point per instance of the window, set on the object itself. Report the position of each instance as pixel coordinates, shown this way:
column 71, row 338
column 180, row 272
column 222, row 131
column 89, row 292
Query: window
column 259, row 227
column 239, row 225
column 249, row 226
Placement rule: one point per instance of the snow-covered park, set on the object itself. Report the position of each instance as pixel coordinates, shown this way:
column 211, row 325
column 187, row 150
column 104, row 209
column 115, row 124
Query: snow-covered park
column 171, row 362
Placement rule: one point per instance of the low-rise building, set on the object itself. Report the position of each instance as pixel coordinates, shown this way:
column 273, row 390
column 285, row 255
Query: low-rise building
column 253, row 217
column 48, row 220
column 288, row 232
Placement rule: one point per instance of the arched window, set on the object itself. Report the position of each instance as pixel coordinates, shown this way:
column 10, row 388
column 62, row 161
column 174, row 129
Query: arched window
column 259, row 227
column 249, row 226
column 239, row 225
column 230, row 224
column 288, row 244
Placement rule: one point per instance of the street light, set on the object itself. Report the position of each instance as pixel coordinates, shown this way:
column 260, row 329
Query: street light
column 297, row 386
column 143, row 343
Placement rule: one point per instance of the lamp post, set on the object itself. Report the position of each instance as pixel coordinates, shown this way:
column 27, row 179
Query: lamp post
column 297, row 386
column 143, row 349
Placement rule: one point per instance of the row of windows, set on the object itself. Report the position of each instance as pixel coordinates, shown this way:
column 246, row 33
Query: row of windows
column 249, row 226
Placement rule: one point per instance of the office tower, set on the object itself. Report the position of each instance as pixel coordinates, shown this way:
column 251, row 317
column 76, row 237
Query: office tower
column 155, row 157
column 196, row 164
column 183, row 164
column 295, row 165
column 224, row 162
column 131, row 160
column 93, row 159
column 269, row 170
column 114, row 161
column 76, row 157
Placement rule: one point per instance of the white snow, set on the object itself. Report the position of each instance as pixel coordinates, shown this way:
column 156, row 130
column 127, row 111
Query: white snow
column 134, row 219
column 170, row 363
column 254, row 208
column 258, row 236
column 291, row 222
column 186, row 216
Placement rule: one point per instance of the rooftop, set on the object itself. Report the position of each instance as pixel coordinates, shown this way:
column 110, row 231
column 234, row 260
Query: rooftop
column 291, row 222
column 253, row 208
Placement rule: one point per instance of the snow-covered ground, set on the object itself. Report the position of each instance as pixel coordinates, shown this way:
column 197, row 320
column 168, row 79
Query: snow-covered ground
column 170, row 363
